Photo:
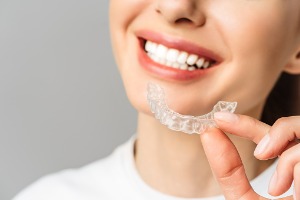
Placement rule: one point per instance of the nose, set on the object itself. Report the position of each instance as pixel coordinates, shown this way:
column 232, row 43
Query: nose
column 181, row 11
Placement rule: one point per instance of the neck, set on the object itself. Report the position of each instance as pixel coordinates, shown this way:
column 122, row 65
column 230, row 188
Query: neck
column 175, row 163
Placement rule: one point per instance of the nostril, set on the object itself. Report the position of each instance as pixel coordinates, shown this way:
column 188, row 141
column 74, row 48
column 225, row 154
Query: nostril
column 183, row 20
column 181, row 12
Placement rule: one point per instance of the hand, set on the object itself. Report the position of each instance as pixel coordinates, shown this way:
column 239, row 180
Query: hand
column 281, row 140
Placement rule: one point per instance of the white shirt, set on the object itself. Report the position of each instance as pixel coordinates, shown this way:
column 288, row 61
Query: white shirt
column 113, row 178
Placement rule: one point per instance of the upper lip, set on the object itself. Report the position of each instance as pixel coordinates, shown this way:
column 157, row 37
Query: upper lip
column 178, row 43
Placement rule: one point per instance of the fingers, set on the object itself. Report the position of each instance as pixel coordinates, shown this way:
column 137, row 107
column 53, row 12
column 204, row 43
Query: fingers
column 287, row 170
column 272, row 140
column 241, row 125
column 297, row 182
column 226, row 165
column 278, row 140
column 281, row 136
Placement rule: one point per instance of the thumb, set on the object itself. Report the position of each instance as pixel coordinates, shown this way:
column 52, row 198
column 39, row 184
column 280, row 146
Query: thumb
column 226, row 165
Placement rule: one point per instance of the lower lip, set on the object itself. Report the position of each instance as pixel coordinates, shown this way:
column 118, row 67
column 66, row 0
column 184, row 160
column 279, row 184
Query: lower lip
column 169, row 73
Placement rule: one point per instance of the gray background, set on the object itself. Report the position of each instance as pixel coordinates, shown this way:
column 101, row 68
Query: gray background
column 62, row 103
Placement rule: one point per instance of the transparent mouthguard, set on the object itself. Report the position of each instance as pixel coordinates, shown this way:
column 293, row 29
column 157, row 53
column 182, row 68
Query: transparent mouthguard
column 184, row 123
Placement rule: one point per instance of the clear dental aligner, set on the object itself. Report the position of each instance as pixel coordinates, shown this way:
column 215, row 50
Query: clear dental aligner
column 184, row 123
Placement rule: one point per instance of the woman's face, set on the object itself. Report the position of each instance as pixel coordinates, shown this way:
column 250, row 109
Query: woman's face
column 246, row 42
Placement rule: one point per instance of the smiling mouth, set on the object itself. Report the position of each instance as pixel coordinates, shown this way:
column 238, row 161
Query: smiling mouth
column 175, row 58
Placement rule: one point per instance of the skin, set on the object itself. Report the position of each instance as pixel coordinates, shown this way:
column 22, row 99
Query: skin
column 283, row 141
column 257, row 40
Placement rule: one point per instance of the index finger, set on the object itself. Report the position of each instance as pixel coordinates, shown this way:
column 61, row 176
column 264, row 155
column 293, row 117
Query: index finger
column 241, row 125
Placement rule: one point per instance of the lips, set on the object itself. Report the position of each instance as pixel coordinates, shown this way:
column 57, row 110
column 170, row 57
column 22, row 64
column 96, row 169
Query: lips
column 174, row 58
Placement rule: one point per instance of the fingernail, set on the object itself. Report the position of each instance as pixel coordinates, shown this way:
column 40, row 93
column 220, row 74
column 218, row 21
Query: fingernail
column 294, row 195
column 273, row 182
column 262, row 145
column 226, row 117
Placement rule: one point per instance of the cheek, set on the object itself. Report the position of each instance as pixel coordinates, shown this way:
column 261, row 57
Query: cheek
column 260, row 45
column 123, row 16
column 263, row 39
column 258, row 29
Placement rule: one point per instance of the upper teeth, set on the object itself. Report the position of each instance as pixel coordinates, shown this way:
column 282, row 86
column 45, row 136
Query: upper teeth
column 175, row 58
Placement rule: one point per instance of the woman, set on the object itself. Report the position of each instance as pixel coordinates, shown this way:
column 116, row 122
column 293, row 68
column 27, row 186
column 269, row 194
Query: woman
column 200, row 52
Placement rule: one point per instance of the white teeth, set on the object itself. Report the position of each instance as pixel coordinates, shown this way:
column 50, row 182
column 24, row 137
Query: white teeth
column 161, row 51
column 175, row 58
column 175, row 65
column 156, row 59
column 162, row 61
column 183, row 67
column 192, row 59
column 172, row 55
column 206, row 64
column 151, row 47
column 153, row 57
column 192, row 68
column 200, row 62
column 169, row 63
column 148, row 46
column 182, row 57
